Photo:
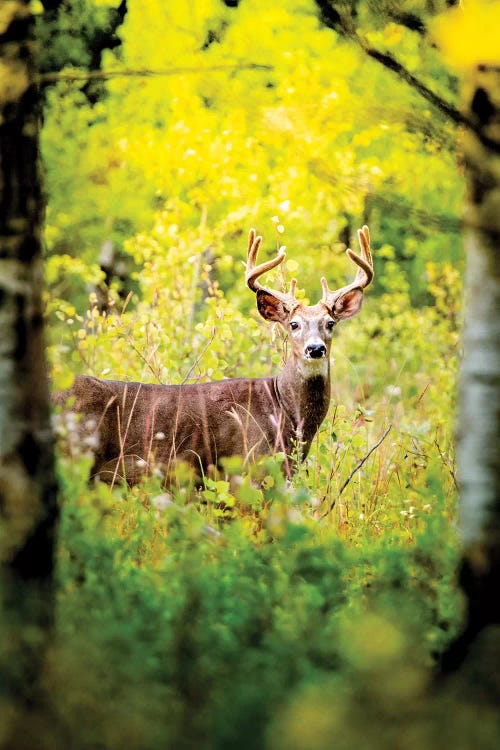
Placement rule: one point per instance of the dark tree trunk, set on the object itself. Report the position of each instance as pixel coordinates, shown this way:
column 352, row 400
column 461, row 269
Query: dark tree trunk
column 479, row 416
column 28, row 507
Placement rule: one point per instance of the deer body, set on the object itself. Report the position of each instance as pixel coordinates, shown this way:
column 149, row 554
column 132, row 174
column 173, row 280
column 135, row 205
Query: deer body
column 197, row 424
column 137, row 425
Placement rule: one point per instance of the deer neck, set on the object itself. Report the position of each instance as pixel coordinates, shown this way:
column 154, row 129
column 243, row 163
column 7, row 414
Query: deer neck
column 304, row 395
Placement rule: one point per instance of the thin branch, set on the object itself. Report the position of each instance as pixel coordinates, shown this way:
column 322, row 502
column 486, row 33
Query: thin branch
column 145, row 359
column 400, row 207
column 101, row 75
column 409, row 20
column 446, row 108
column 419, row 399
column 356, row 469
column 345, row 27
column 199, row 357
column 446, row 464
column 390, row 62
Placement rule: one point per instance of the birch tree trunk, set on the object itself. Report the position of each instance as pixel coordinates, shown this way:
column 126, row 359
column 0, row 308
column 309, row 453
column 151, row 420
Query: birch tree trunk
column 479, row 397
column 28, row 508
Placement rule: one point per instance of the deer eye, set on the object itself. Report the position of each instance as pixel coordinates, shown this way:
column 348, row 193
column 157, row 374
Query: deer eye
column 294, row 325
column 330, row 324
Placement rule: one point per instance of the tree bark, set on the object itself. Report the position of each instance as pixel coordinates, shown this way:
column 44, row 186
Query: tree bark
column 479, row 397
column 28, row 507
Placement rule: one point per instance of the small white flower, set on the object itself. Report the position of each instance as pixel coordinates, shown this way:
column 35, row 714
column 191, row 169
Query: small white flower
column 160, row 436
column 141, row 463
column 393, row 390
column 71, row 421
column 90, row 424
column 91, row 441
column 162, row 501
column 361, row 516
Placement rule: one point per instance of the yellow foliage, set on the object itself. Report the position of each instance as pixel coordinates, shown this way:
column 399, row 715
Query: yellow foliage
column 13, row 80
column 468, row 34
column 9, row 11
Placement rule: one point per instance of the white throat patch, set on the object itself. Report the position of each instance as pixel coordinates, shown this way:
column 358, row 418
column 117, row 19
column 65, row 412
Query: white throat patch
column 311, row 368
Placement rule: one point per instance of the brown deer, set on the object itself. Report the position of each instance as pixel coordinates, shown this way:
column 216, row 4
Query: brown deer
column 135, row 425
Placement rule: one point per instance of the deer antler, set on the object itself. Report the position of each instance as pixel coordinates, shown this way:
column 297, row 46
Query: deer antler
column 253, row 271
column 364, row 275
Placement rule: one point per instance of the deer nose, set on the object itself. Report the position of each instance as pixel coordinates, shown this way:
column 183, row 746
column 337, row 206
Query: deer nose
column 315, row 351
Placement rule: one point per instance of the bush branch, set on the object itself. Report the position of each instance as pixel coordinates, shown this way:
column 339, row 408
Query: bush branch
column 356, row 469
column 101, row 75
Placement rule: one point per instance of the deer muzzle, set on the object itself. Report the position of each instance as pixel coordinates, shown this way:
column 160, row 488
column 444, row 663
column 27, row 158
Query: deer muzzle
column 315, row 351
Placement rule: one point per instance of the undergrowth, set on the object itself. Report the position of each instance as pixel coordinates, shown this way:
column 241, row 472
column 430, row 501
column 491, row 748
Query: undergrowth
column 257, row 612
column 179, row 628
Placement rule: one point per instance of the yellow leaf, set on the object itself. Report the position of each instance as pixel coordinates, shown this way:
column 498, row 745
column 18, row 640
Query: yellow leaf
column 62, row 379
column 468, row 34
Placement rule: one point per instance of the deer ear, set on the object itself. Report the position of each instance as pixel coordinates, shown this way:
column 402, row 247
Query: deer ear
column 348, row 304
column 270, row 307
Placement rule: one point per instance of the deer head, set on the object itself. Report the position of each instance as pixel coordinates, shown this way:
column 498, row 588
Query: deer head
column 310, row 326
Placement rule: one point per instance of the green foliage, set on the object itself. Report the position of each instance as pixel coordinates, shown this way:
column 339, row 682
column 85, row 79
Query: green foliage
column 74, row 32
column 227, row 616
column 168, row 625
column 254, row 612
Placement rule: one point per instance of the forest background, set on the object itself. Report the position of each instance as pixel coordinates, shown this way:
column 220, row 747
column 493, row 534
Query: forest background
column 292, row 615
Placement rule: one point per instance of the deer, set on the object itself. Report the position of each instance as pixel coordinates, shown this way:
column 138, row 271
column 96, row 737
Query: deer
column 135, row 425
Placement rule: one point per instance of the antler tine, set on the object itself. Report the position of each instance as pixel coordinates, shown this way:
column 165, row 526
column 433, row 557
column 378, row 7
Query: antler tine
column 253, row 271
column 326, row 291
column 253, row 248
column 364, row 274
